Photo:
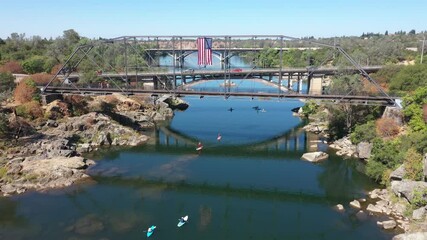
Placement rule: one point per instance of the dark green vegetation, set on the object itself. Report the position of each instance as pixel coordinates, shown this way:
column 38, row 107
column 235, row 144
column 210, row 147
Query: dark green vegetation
column 393, row 144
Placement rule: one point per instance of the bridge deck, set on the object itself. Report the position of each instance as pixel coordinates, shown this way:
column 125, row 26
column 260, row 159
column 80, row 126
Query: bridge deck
column 376, row 100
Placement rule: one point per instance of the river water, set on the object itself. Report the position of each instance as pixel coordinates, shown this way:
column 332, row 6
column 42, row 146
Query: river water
column 251, row 184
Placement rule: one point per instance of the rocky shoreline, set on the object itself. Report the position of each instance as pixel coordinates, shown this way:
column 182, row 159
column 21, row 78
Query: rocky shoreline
column 52, row 157
column 390, row 204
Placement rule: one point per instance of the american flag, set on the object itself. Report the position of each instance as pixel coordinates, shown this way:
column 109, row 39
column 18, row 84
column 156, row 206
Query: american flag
column 204, row 47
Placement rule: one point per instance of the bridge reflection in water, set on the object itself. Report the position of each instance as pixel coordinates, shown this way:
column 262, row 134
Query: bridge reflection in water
column 295, row 142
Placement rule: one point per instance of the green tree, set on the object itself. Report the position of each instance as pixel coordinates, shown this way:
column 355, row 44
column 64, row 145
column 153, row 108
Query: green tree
column 6, row 81
column 385, row 156
column 344, row 84
column 4, row 128
column 413, row 109
column 414, row 165
column 363, row 133
column 35, row 64
column 410, row 78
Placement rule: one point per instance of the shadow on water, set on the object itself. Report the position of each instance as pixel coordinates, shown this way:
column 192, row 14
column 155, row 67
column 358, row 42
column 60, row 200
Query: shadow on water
column 217, row 190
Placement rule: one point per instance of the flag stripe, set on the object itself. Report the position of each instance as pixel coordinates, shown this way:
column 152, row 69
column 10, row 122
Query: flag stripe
column 204, row 48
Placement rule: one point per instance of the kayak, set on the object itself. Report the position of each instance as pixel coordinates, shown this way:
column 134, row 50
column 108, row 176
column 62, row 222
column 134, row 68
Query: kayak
column 199, row 148
column 182, row 221
column 150, row 230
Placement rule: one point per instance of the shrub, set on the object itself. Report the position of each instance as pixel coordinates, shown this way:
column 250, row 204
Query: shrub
column 375, row 170
column 35, row 64
column 30, row 110
column 20, row 127
column 55, row 69
column 420, row 198
column 78, row 104
column 4, row 128
column 410, row 78
column 41, row 78
column 12, row 67
column 363, row 133
column 7, row 81
column 414, row 165
column 26, row 91
column 416, row 140
column 387, row 153
column 387, row 127
column 309, row 108
column 413, row 109
column 3, row 172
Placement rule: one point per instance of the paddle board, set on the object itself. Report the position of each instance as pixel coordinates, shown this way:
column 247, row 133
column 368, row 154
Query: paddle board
column 150, row 230
column 180, row 223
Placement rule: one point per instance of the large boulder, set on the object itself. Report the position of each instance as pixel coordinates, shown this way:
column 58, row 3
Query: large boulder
column 364, row 150
column 407, row 188
column 398, row 174
column 419, row 213
column 411, row 236
column 355, row 204
column 126, row 104
column 46, row 173
column 389, row 224
column 315, row 156
column 394, row 113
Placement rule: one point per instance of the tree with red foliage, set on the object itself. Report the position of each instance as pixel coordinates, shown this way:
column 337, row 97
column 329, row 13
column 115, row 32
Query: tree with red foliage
column 41, row 78
column 12, row 67
column 26, row 91
column 387, row 127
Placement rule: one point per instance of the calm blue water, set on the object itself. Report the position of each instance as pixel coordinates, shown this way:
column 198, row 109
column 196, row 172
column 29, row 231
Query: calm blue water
column 250, row 185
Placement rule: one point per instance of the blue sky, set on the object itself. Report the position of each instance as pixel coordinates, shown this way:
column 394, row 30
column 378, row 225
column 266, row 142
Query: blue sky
column 297, row 18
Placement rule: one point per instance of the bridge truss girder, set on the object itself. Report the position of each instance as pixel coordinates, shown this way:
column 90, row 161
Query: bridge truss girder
column 130, row 43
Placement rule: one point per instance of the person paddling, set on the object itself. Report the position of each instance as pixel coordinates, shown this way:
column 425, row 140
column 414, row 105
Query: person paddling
column 199, row 147
column 219, row 137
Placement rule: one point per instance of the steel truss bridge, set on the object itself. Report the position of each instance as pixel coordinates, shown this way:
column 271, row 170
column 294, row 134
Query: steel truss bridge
column 172, row 82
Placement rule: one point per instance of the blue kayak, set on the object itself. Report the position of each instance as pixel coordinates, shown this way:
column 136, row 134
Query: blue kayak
column 150, row 230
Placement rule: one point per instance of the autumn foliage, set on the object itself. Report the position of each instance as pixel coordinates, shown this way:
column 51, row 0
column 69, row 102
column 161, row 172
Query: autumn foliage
column 78, row 104
column 26, row 91
column 12, row 67
column 387, row 127
column 30, row 110
column 55, row 69
column 41, row 78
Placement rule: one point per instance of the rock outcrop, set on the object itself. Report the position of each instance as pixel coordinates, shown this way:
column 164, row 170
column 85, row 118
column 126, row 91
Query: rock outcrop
column 363, row 150
column 23, row 174
column 315, row 156
column 398, row 174
column 407, row 188
column 411, row 236
column 344, row 147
